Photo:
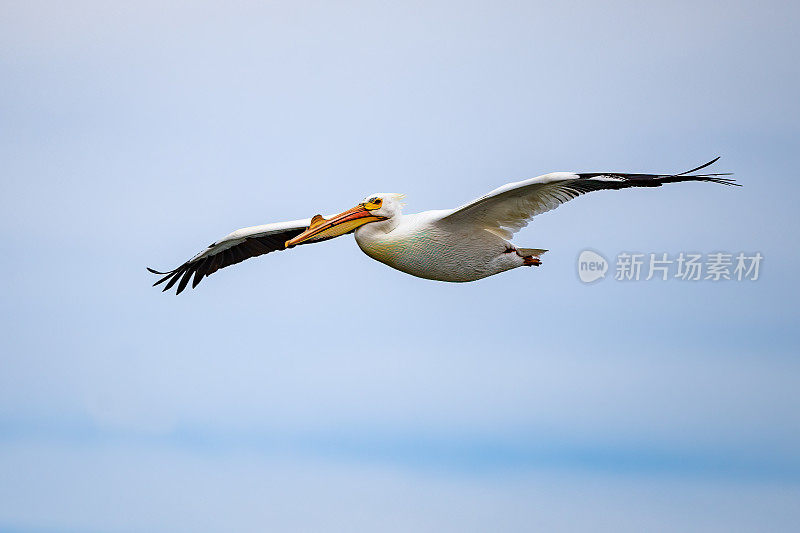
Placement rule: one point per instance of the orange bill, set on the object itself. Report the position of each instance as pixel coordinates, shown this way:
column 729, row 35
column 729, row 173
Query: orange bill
column 321, row 229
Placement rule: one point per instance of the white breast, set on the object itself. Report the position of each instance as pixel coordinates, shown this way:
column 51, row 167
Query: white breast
column 415, row 245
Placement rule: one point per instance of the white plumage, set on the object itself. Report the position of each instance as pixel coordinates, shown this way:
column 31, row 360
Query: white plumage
column 462, row 244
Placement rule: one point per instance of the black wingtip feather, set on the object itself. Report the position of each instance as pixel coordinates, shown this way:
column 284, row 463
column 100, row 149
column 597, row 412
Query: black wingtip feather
column 174, row 278
column 701, row 167
column 162, row 280
column 711, row 178
column 184, row 280
column 200, row 271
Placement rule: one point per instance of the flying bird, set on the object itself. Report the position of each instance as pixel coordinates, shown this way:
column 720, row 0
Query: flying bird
column 462, row 244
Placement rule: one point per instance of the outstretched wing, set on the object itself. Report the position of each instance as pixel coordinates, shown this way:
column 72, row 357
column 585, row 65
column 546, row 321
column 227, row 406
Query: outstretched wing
column 508, row 209
column 233, row 248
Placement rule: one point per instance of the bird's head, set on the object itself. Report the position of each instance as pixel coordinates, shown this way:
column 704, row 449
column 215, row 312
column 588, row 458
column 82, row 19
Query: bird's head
column 384, row 204
column 374, row 208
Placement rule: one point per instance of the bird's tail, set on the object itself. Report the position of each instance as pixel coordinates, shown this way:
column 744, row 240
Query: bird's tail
column 535, row 252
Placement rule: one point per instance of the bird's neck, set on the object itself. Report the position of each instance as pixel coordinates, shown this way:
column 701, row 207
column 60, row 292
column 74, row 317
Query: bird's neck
column 377, row 229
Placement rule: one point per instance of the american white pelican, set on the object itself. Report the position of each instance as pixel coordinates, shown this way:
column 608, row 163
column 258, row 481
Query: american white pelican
column 462, row 244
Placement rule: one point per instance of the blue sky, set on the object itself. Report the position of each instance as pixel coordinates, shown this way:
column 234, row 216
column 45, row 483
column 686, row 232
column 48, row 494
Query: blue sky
column 134, row 135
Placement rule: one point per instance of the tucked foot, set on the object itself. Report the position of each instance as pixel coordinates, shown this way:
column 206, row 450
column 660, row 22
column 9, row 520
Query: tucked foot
column 530, row 256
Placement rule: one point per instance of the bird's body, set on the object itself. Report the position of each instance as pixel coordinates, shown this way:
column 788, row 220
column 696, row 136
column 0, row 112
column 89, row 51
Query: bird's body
column 457, row 245
column 426, row 246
